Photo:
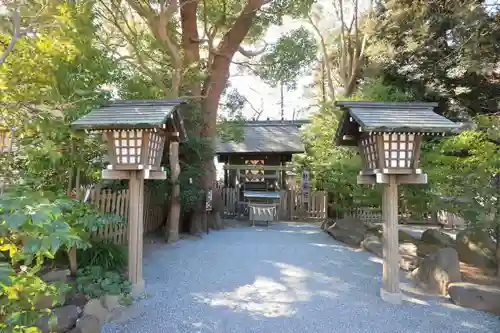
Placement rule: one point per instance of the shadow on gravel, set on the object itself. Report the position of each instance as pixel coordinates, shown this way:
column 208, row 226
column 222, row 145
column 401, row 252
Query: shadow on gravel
column 285, row 278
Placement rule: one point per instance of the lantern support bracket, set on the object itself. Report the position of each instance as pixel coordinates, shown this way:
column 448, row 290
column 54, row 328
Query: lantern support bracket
column 121, row 174
column 380, row 178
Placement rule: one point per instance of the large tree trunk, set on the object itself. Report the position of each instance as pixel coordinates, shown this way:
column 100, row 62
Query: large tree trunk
column 212, row 91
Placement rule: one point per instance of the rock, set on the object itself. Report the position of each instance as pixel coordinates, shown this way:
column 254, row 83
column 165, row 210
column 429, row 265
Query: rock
column 349, row 230
column 437, row 237
column 56, row 275
column 405, row 237
column 326, row 224
column 95, row 308
column 424, row 249
column 373, row 244
column 474, row 296
column 87, row 324
column 374, row 229
column 476, row 248
column 77, row 299
column 408, row 259
column 437, row 270
column 66, row 319
column 111, row 302
column 408, row 263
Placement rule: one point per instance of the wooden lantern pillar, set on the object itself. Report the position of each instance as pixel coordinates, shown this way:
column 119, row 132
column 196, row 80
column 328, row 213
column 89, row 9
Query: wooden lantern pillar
column 135, row 133
column 388, row 136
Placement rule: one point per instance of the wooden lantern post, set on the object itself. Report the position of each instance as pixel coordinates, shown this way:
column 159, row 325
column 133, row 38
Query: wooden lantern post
column 388, row 136
column 135, row 133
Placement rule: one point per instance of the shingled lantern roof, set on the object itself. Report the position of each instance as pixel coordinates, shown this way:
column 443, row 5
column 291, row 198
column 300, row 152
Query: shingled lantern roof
column 134, row 114
column 389, row 117
column 136, row 131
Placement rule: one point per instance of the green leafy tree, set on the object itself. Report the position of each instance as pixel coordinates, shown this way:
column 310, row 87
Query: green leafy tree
column 192, row 64
column 50, row 78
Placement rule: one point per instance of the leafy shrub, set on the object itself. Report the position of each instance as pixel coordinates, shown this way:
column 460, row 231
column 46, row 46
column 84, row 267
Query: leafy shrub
column 95, row 281
column 109, row 256
column 32, row 229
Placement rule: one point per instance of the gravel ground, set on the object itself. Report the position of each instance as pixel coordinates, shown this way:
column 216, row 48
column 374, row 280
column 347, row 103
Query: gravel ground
column 288, row 278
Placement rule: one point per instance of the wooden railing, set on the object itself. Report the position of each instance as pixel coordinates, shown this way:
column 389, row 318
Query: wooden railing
column 117, row 202
column 290, row 207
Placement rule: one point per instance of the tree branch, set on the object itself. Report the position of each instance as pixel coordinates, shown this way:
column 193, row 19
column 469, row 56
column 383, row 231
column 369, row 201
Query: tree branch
column 16, row 22
column 251, row 54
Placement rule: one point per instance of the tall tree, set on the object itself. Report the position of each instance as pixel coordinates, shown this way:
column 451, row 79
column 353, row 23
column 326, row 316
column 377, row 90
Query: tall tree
column 287, row 60
column 447, row 50
column 342, row 44
column 197, row 41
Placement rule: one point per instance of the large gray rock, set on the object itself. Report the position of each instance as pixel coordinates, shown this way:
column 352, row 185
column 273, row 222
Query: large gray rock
column 87, row 324
column 408, row 258
column 95, row 308
column 373, row 244
column 437, row 270
column 111, row 302
column 56, row 275
column 476, row 248
column 474, row 296
column 349, row 230
column 65, row 319
column 437, row 237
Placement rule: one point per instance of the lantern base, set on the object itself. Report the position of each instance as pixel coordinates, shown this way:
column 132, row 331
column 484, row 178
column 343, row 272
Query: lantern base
column 392, row 298
column 138, row 288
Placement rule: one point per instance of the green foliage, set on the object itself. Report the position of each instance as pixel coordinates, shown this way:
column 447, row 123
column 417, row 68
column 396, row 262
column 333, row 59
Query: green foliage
column 463, row 168
column 50, row 79
column 105, row 254
column 292, row 54
column 32, row 229
column 95, row 282
column 446, row 50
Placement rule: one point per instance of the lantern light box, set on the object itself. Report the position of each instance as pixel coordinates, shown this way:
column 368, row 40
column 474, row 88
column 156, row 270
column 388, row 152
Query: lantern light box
column 136, row 132
column 388, row 136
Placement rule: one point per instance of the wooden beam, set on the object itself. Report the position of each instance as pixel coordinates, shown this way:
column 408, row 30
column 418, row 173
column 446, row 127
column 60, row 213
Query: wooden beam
column 413, row 179
column 390, row 171
column 252, row 176
column 366, row 180
column 258, row 167
column 155, row 175
column 390, row 291
column 172, row 233
column 115, row 174
column 380, row 178
column 135, row 230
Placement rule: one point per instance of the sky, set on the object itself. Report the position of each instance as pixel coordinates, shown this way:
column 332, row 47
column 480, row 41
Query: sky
column 267, row 98
column 263, row 96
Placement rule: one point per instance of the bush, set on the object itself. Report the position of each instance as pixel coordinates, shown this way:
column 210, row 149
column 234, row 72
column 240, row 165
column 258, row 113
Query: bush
column 103, row 253
column 95, row 282
column 32, row 229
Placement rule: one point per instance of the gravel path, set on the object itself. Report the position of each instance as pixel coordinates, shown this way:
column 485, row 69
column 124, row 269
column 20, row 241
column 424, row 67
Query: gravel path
column 288, row 278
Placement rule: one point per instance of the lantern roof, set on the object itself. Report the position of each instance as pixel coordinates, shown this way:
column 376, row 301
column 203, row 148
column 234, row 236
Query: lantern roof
column 133, row 114
column 389, row 117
